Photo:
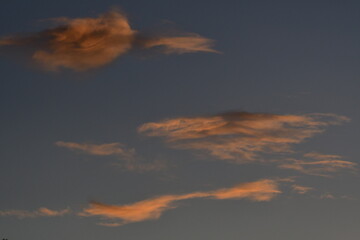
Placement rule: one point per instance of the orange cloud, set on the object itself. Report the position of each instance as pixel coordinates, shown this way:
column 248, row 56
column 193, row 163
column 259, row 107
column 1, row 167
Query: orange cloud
column 318, row 164
column 131, row 161
column 41, row 212
column 240, row 136
column 106, row 149
column 263, row 190
column 86, row 43
column 140, row 211
column 184, row 44
column 151, row 209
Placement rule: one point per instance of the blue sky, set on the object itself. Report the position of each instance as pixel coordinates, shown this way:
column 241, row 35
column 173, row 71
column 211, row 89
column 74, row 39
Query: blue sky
column 279, row 64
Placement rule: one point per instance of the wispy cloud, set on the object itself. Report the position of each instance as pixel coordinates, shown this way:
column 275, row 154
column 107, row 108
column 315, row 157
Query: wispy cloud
column 106, row 149
column 262, row 190
column 240, row 136
column 184, row 44
column 151, row 209
column 301, row 189
column 41, row 212
column 327, row 196
column 318, row 164
column 139, row 165
column 85, row 43
column 130, row 159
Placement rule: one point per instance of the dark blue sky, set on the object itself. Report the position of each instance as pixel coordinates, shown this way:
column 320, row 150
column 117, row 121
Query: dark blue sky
column 277, row 57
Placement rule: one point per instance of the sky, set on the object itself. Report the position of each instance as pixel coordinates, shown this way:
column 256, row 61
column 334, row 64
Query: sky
column 179, row 120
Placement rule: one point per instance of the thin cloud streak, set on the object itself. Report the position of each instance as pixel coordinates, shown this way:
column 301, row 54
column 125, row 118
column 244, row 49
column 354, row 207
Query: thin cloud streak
column 180, row 45
column 106, row 149
column 141, row 166
column 327, row 196
column 153, row 208
column 240, row 136
column 130, row 160
column 41, row 212
column 85, row 43
column 318, row 164
column 301, row 189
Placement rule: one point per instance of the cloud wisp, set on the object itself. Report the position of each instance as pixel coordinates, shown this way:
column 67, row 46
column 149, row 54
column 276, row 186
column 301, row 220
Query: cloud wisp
column 106, row 149
column 153, row 208
column 318, row 164
column 301, row 189
column 85, row 43
column 41, row 212
column 240, row 136
column 129, row 158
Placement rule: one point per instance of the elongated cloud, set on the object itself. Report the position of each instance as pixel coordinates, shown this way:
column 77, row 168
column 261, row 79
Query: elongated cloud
column 184, row 44
column 301, row 189
column 85, row 43
column 41, row 212
column 138, row 165
column 131, row 161
column 318, row 164
column 151, row 209
column 327, row 196
column 240, row 136
column 106, row 149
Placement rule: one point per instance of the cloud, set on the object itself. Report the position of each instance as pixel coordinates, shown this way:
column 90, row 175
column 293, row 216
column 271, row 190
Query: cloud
column 262, row 190
column 149, row 209
column 106, row 149
column 41, row 212
column 184, row 44
column 301, row 189
column 131, row 161
column 138, row 165
column 153, row 208
column 327, row 196
column 85, row 43
column 240, row 136
column 318, row 164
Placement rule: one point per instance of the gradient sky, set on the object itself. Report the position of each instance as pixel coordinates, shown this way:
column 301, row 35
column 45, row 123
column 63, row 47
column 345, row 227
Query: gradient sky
column 251, row 136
